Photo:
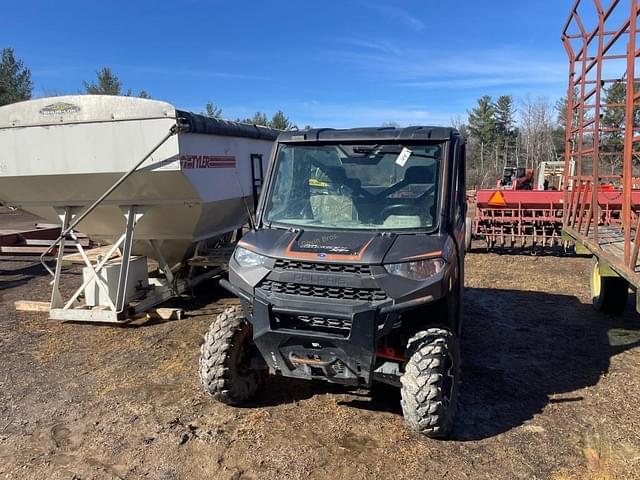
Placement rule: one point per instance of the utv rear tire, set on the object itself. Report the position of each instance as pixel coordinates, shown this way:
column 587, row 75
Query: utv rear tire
column 608, row 294
column 227, row 359
column 429, row 390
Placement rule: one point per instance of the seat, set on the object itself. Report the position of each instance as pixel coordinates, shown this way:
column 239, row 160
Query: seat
column 333, row 209
column 419, row 175
column 420, row 210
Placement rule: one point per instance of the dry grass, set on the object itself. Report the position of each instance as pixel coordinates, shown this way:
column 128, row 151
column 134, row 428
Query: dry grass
column 604, row 461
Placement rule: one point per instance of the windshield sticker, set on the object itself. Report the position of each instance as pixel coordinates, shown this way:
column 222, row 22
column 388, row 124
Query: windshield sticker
column 403, row 157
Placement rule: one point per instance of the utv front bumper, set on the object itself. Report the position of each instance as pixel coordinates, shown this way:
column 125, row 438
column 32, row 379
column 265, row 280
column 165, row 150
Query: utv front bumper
column 317, row 339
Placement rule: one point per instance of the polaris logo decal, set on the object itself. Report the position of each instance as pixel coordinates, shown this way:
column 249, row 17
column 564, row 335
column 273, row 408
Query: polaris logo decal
column 331, row 246
column 315, row 279
column 326, row 248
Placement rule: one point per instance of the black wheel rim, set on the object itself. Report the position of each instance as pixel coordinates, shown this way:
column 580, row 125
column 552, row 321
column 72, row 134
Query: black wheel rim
column 448, row 381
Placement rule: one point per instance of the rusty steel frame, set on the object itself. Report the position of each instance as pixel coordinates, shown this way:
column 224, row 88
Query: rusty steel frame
column 615, row 242
column 519, row 226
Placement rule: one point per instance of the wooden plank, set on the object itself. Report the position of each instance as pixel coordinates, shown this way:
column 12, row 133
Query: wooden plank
column 93, row 254
column 42, row 233
column 85, row 242
column 7, row 238
column 166, row 313
column 26, row 250
column 31, row 306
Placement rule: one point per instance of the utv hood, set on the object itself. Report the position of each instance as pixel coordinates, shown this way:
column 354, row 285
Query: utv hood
column 369, row 248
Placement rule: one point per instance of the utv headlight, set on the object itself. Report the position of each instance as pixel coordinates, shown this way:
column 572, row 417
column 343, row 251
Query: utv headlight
column 247, row 258
column 420, row 270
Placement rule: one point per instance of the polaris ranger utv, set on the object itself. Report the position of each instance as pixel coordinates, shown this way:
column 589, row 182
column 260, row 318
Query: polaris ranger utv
column 353, row 272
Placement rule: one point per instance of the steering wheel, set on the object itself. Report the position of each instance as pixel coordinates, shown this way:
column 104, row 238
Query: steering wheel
column 386, row 211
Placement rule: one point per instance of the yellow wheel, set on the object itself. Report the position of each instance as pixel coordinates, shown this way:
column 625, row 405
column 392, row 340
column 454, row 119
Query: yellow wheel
column 609, row 294
column 596, row 280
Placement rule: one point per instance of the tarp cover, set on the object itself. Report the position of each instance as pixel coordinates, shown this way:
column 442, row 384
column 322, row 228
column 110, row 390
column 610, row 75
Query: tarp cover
column 213, row 126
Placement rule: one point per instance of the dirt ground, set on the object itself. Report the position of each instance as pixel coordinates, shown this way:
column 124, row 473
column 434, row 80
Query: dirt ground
column 550, row 390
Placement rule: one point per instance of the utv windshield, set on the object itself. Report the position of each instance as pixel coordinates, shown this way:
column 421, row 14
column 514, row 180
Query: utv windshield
column 368, row 187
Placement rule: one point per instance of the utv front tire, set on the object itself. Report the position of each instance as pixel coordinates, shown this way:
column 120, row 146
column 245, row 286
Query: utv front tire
column 230, row 369
column 430, row 382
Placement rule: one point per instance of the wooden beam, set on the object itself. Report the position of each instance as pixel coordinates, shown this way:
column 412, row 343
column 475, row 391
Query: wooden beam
column 31, row 306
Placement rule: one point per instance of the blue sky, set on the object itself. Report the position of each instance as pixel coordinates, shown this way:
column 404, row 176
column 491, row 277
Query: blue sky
column 325, row 63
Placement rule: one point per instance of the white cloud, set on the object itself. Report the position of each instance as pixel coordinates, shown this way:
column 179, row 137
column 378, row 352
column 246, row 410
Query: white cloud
column 505, row 67
column 186, row 71
column 346, row 115
column 396, row 13
column 380, row 46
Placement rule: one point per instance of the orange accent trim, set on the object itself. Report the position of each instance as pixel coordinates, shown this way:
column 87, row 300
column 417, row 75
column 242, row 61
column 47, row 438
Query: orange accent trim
column 288, row 253
column 424, row 256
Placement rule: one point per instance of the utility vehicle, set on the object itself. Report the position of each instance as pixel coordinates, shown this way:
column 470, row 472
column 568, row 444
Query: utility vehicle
column 353, row 272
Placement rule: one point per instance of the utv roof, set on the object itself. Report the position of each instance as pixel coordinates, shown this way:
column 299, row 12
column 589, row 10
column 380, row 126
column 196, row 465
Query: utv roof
column 369, row 134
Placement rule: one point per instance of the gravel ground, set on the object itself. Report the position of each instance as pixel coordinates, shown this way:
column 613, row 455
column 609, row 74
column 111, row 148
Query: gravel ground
column 550, row 391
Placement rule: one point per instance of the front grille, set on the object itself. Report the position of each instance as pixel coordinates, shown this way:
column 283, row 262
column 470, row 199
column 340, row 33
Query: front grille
column 323, row 291
column 316, row 322
column 312, row 323
column 322, row 267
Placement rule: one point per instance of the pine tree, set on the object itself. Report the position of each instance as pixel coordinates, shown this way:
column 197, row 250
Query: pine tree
column 108, row 84
column 279, row 121
column 211, row 110
column 561, row 109
column 614, row 117
column 482, row 130
column 506, row 133
column 559, row 131
column 15, row 79
column 259, row 118
column 505, row 114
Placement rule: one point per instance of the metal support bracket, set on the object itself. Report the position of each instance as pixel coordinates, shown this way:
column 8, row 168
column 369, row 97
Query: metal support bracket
column 61, row 310
column 120, row 310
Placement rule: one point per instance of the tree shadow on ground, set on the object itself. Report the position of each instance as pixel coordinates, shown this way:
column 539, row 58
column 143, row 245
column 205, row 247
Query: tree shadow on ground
column 520, row 348
column 19, row 271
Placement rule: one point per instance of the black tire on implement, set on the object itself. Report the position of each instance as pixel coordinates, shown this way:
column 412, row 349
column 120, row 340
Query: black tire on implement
column 227, row 370
column 430, row 383
column 608, row 294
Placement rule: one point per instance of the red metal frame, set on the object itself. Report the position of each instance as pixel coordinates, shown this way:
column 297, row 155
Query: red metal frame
column 527, row 217
column 33, row 240
column 601, row 53
column 535, row 217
